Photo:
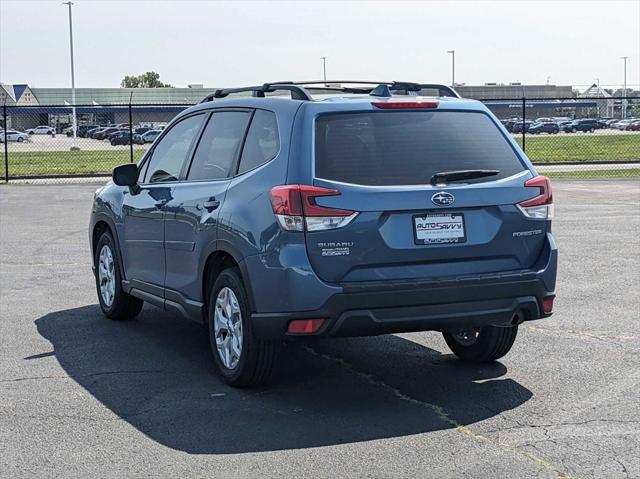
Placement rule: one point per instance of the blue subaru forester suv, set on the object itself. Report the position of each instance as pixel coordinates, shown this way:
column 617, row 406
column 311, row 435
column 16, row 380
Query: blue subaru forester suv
column 270, row 214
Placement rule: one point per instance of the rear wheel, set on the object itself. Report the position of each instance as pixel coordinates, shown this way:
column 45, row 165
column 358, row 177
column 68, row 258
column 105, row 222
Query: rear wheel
column 481, row 345
column 114, row 302
column 20, row 139
column 242, row 359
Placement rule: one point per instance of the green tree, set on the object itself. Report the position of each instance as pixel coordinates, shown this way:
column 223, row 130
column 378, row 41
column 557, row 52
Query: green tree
column 146, row 80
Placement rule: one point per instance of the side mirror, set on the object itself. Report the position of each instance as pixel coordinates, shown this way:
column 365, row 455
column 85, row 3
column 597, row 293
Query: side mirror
column 126, row 175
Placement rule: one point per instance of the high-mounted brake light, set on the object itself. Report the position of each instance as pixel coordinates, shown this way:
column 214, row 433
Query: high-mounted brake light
column 295, row 207
column 539, row 207
column 405, row 104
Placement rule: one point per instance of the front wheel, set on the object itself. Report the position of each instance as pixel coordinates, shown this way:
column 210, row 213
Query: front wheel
column 481, row 345
column 114, row 302
column 242, row 359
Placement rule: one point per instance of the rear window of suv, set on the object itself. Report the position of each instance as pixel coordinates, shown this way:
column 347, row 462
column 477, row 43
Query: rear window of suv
column 408, row 148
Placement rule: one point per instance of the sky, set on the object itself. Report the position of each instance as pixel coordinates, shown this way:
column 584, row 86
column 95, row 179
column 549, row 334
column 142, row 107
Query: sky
column 237, row 43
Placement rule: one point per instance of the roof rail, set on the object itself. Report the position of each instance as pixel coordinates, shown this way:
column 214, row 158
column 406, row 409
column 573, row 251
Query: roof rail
column 299, row 92
column 392, row 86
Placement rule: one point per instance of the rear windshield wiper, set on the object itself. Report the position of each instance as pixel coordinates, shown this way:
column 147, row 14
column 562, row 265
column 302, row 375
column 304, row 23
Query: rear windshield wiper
column 457, row 175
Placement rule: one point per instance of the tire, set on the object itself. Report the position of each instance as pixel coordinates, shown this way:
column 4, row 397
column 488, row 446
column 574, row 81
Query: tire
column 121, row 306
column 20, row 139
column 113, row 142
column 256, row 360
column 490, row 343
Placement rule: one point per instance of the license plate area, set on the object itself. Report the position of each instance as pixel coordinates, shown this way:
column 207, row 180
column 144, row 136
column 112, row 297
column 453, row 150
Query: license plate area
column 439, row 228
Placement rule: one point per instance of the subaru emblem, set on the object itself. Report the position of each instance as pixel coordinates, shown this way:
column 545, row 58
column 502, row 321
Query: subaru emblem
column 442, row 198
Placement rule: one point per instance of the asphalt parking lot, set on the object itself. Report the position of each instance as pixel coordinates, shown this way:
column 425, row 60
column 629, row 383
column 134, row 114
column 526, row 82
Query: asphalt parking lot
column 81, row 396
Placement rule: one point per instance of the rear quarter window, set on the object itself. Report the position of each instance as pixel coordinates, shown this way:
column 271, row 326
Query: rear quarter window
column 408, row 148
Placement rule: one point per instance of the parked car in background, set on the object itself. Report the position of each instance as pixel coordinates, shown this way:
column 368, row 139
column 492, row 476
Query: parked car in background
column 81, row 130
column 625, row 124
column 583, row 125
column 120, row 138
column 544, row 127
column 41, row 130
column 13, row 135
column 517, row 126
column 611, row 123
column 635, row 126
column 141, row 129
column 104, row 133
column 89, row 133
column 150, row 136
column 118, row 132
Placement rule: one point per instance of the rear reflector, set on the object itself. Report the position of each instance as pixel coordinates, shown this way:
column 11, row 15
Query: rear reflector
column 404, row 104
column 539, row 207
column 547, row 305
column 305, row 326
column 295, row 206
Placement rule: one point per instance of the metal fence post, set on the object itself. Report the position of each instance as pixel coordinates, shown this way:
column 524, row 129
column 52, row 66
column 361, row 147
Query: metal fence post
column 130, row 129
column 524, row 117
column 6, row 148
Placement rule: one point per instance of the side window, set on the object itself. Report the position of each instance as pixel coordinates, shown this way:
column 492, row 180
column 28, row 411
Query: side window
column 170, row 153
column 219, row 146
column 263, row 141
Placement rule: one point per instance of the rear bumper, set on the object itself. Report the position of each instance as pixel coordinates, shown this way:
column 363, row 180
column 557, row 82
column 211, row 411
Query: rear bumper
column 392, row 307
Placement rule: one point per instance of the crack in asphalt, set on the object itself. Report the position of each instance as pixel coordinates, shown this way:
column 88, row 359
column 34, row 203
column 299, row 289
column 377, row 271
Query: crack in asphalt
column 442, row 415
column 101, row 373
column 545, row 427
column 580, row 334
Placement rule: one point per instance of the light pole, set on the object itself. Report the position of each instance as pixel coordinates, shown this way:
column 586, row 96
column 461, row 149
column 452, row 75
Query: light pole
column 324, row 68
column 74, row 124
column 624, row 94
column 453, row 67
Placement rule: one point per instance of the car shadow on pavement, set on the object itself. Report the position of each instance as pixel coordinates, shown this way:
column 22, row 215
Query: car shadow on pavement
column 156, row 373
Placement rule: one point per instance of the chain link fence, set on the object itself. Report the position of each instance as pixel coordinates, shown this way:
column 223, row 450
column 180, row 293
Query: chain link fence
column 563, row 137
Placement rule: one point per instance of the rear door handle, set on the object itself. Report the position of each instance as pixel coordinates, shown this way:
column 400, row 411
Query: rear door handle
column 211, row 204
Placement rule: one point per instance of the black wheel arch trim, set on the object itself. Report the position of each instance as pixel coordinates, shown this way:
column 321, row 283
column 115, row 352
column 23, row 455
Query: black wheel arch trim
column 103, row 217
column 227, row 247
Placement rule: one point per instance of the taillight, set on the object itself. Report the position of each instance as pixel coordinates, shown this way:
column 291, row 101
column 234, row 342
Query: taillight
column 539, row 207
column 404, row 104
column 295, row 208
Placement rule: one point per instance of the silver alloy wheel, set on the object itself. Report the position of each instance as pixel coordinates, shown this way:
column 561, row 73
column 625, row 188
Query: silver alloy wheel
column 107, row 275
column 227, row 328
column 467, row 336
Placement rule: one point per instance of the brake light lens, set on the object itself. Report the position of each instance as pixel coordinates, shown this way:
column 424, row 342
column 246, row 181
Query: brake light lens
column 539, row 207
column 295, row 208
column 405, row 104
